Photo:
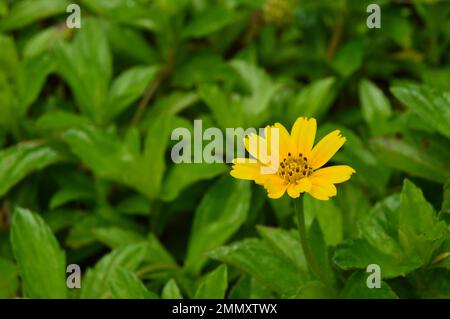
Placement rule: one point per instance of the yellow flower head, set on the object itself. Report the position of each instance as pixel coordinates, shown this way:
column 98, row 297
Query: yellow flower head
column 298, row 163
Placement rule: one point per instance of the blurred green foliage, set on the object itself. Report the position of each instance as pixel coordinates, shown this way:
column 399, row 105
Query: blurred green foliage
column 85, row 122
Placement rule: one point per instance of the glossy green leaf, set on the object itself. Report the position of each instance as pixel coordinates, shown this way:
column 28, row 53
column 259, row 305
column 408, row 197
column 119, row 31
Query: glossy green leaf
column 376, row 108
column 171, row 290
column 96, row 283
column 258, row 259
column 28, row 11
column 18, row 161
column 128, row 87
column 183, row 175
column 41, row 261
column 221, row 212
column 356, row 288
column 314, row 99
column 214, row 284
column 126, row 285
column 430, row 104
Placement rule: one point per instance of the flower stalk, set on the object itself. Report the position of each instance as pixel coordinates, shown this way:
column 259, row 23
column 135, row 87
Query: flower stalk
column 310, row 259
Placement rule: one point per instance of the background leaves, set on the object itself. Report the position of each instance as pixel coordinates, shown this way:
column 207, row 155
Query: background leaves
column 86, row 174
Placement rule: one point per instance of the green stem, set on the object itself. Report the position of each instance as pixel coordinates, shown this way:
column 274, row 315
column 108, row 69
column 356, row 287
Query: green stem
column 312, row 263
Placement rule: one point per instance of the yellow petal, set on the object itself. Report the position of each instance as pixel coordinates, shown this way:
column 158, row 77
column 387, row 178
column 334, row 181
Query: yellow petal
column 257, row 147
column 325, row 149
column 281, row 145
column 321, row 189
column 303, row 134
column 291, row 190
column 334, row 174
column 275, row 187
column 295, row 189
column 247, row 169
column 303, row 185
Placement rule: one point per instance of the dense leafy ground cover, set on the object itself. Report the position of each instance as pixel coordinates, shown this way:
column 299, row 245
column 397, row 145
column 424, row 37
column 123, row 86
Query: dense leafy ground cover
column 85, row 171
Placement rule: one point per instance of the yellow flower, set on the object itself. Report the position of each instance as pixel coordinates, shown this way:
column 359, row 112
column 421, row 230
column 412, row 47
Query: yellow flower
column 300, row 164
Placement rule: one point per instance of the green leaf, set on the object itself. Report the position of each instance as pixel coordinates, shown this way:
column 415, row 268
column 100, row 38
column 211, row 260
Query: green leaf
column 183, row 175
column 128, row 87
column 329, row 217
column 41, row 261
column 349, row 57
column 315, row 290
column 213, row 285
column 262, row 89
column 413, row 157
column 356, row 288
column 432, row 105
column 61, row 120
column 126, row 285
column 287, row 243
column 9, row 280
column 114, row 237
column 157, row 252
column 313, row 100
column 112, row 159
column 31, row 77
column 96, row 283
column 18, row 161
column 26, row 12
column 171, row 290
column 355, row 153
column 87, row 67
column 209, row 21
column 420, row 231
column 225, row 111
column 376, row 108
column 256, row 258
column 9, row 58
column 400, row 234
column 221, row 212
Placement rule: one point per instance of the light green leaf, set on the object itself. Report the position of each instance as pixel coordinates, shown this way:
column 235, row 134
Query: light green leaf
column 400, row 234
column 349, row 57
column 356, row 288
column 32, row 74
column 256, row 258
column 261, row 87
column 126, row 285
column 329, row 217
column 209, row 21
column 376, row 108
column 181, row 176
column 287, row 243
column 128, row 87
column 213, row 285
column 18, row 161
column 432, row 105
column 114, row 237
column 221, row 212
column 412, row 157
column 41, row 261
column 171, row 290
column 86, row 65
column 112, row 159
column 96, row 283
column 28, row 11
column 225, row 111
column 314, row 99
